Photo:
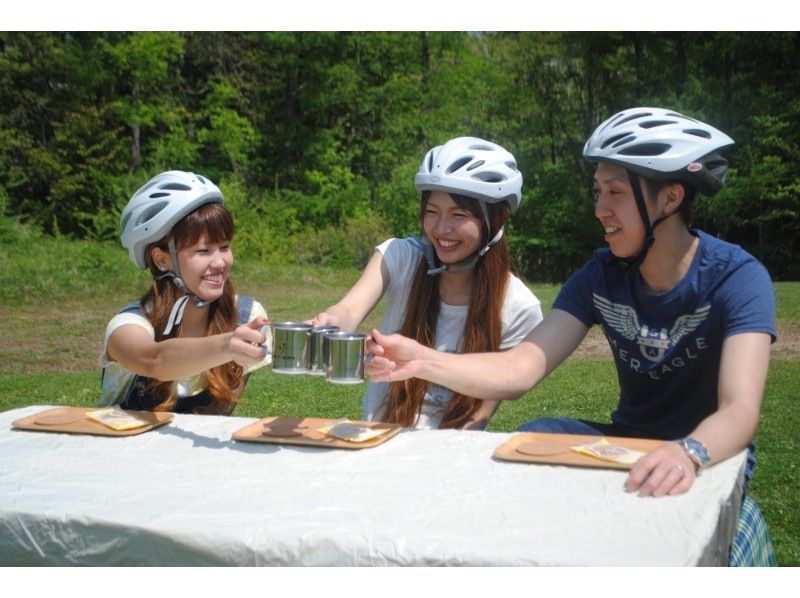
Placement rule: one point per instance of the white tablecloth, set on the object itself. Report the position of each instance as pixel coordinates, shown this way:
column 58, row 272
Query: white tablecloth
column 186, row 494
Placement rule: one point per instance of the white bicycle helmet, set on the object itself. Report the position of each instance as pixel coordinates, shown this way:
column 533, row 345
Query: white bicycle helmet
column 149, row 217
column 472, row 167
column 475, row 168
column 158, row 205
column 662, row 144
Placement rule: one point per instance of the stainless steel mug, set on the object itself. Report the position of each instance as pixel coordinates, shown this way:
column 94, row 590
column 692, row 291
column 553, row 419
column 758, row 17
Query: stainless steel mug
column 346, row 353
column 320, row 349
column 291, row 347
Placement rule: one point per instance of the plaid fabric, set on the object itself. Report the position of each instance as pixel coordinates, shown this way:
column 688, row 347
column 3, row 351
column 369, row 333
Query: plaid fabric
column 752, row 546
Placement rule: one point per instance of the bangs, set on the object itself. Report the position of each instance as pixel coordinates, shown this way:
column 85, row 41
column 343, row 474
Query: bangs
column 468, row 203
column 462, row 201
column 211, row 220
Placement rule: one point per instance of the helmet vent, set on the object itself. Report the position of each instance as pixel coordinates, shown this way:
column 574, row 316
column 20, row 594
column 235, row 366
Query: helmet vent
column 145, row 187
column 151, row 211
column 490, row 177
column 646, row 149
column 656, row 123
column 623, row 138
column 474, row 165
column 511, row 165
column 175, row 187
column 482, row 148
column 698, row 132
column 458, row 164
column 158, row 194
column 632, row 117
column 612, row 121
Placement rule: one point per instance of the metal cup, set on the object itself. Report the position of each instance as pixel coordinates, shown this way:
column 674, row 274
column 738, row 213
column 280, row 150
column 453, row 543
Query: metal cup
column 346, row 352
column 320, row 349
column 291, row 347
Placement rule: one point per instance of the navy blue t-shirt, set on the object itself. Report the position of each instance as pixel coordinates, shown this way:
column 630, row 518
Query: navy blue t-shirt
column 667, row 347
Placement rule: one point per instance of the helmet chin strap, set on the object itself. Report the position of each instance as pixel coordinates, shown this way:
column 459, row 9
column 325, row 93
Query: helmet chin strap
column 434, row 270
column 425, row 245
column 649, row 228
column 176, row 315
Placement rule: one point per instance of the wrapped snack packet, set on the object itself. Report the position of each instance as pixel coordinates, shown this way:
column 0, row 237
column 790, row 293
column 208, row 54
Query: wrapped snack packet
column 117, row 419
column 351, row 431
column 603, row 449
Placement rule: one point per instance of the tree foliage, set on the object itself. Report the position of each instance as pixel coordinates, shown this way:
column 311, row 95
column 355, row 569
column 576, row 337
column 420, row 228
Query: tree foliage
column 315, row 136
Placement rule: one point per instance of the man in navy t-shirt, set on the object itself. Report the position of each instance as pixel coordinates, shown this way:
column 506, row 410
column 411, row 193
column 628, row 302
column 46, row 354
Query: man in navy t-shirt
column 667, row 346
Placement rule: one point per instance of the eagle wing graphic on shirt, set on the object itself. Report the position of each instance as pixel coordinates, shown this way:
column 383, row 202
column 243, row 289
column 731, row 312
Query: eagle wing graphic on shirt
column 688, row 323
column 653, row 342
column 621, row 318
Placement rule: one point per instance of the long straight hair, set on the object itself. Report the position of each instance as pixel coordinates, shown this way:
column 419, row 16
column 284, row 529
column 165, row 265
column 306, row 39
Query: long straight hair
column 482, row 329
column 213, row 221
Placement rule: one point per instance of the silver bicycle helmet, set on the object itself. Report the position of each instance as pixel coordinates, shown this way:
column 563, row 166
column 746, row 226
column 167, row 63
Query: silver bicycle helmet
column 662, row 144
column 150, row 215
column 475, row 168
column 158, row 205
column 472, row 167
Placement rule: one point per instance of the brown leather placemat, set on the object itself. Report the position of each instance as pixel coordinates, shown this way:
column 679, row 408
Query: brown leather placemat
column 73, row 420
column 303, row 431
column 554, row 449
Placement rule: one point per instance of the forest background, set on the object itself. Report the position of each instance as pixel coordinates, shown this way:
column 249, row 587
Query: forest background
column 314, row 137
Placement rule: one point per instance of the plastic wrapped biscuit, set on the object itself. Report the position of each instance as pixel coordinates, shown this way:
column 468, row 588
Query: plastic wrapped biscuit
column 603, row 449
column 117, row 419
column 352, row 432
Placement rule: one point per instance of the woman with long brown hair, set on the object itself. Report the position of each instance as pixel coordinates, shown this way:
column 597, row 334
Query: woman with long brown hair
column 452, row 289
column 186, row 344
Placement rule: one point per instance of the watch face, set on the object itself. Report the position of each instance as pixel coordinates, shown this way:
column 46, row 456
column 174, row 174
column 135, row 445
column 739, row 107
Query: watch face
column 696, row 450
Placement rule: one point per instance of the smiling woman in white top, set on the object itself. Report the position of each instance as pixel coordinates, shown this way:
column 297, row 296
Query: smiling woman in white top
column 185, row 344
column 452, row 289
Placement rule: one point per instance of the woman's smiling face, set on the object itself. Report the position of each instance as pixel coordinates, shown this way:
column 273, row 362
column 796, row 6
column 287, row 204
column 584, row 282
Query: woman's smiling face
column 455, row 232
column 205, row 267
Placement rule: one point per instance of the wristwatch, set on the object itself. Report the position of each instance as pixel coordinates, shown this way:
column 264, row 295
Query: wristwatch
column 696, row 451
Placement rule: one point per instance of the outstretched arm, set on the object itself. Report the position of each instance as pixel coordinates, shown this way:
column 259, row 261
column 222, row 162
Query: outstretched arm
column 175, row 358
column 495, row 376
column 348, row 313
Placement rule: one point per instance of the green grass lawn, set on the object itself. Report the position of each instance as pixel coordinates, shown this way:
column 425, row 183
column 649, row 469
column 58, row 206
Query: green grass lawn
column 56, row 296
